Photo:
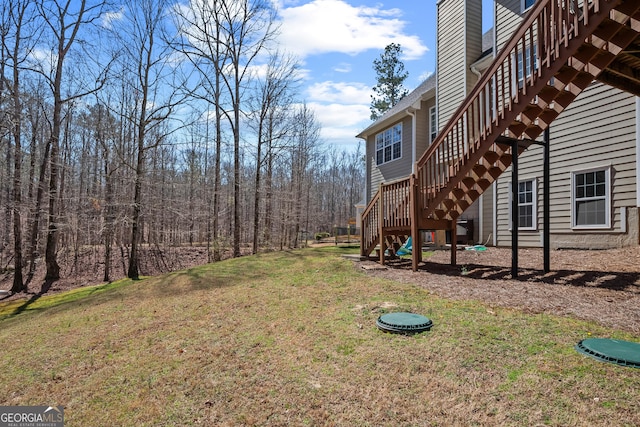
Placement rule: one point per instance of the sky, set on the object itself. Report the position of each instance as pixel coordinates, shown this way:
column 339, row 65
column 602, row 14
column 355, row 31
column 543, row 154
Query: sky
column 337, row 42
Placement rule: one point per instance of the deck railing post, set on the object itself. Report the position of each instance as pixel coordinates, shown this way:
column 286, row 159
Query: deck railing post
column 381, row 224
column 454, row 241
column 546, row 209
column 416, row 251
column 515, row 217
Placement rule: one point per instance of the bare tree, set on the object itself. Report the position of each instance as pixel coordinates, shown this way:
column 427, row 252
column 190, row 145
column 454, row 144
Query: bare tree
column 63, row 20
column 225, row 37
column 147, row 60
column 20, row 15
column 273, row 99
column 103, row 128
column 305, row 149
column 201, row 42
column 36, row 116
column 249, row 26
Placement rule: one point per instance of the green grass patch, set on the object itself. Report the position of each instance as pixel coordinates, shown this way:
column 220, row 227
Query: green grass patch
column 289, row 338
column 36, row 302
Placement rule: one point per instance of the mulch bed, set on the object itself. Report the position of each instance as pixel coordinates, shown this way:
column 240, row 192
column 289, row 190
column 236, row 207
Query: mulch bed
column 598, row 285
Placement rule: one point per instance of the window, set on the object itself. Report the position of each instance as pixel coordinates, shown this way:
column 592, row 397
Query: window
column 591, row 199
column 389, row 144
column 527, row 205
column 526, row 4
column 530, row 64
column 433, row 125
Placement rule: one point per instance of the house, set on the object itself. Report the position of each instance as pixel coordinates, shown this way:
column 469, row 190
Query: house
column 444, row 155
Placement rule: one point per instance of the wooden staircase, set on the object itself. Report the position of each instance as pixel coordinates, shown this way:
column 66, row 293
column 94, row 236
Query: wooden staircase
column 567, row 44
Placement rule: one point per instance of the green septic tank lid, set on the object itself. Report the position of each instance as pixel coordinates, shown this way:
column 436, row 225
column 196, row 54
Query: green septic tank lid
column 623, row 353
column 404, row 323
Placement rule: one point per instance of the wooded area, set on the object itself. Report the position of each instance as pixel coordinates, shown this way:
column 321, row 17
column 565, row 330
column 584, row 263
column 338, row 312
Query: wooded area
column 139, row 122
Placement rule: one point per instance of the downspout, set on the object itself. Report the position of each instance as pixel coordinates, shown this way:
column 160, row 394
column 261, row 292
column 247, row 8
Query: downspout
column 495, row 213
column 638, row 152
column 637, row 166
column 412, row 113
column 475, row 71
column 495, row 109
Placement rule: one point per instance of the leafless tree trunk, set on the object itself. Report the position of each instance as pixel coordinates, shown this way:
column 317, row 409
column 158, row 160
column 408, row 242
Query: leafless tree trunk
column 146, row 53
column 222, row 38
column 304, row 150
column 270, row 108
column 6, row 12
column 248, row 26
column 19, row 18
column 64, row 24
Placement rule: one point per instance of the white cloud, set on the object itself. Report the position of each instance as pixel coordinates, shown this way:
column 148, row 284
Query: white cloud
column 43, row 60
column 323, row 26
column 341, row 108
column 424, row 76
column 109, row 17
column 343, row 67
column 340, row 122
column 339, row 92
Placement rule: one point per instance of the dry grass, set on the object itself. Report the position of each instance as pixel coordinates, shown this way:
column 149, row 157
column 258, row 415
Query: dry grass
column 290, row 339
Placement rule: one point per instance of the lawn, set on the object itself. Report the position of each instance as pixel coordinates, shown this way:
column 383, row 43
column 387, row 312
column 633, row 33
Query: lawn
column 289, row 338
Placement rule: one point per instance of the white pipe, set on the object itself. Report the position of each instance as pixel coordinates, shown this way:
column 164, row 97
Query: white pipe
column 637, row 152
column 413, row 139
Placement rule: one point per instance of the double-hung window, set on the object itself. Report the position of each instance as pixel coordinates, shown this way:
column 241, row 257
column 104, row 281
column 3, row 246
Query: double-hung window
column 527, row 206
column 433, row 125
column 389, row 144
column 591, row 198
column 526, row 64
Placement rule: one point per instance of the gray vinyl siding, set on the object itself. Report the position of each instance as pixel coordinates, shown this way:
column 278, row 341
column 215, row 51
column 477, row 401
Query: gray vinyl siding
column 485, row 230
column 395, row 169
column 450, row 63
column 474, row 41
column 459, row 30
column 508, row 18
column 597, row 130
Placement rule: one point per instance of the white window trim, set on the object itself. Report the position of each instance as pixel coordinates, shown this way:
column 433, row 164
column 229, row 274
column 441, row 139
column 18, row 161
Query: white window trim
column 375, row 145
column 534, row 210
column 608, row 187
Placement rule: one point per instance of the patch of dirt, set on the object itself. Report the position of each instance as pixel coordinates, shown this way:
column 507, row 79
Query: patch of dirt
column 598, row 285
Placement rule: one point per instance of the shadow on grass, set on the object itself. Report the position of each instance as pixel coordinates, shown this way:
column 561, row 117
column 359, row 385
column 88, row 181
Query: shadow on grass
column 611, row 280
column 33, row 298
column 42, row 301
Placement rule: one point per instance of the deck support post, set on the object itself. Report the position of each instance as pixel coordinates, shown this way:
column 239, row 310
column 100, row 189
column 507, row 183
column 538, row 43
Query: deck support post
column 514, row 208
column 454, row 241
column 416, row 250
column 546, row 222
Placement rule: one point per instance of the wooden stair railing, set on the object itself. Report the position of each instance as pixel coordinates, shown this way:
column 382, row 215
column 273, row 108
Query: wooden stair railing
column 389, row 210
column 556, row 52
